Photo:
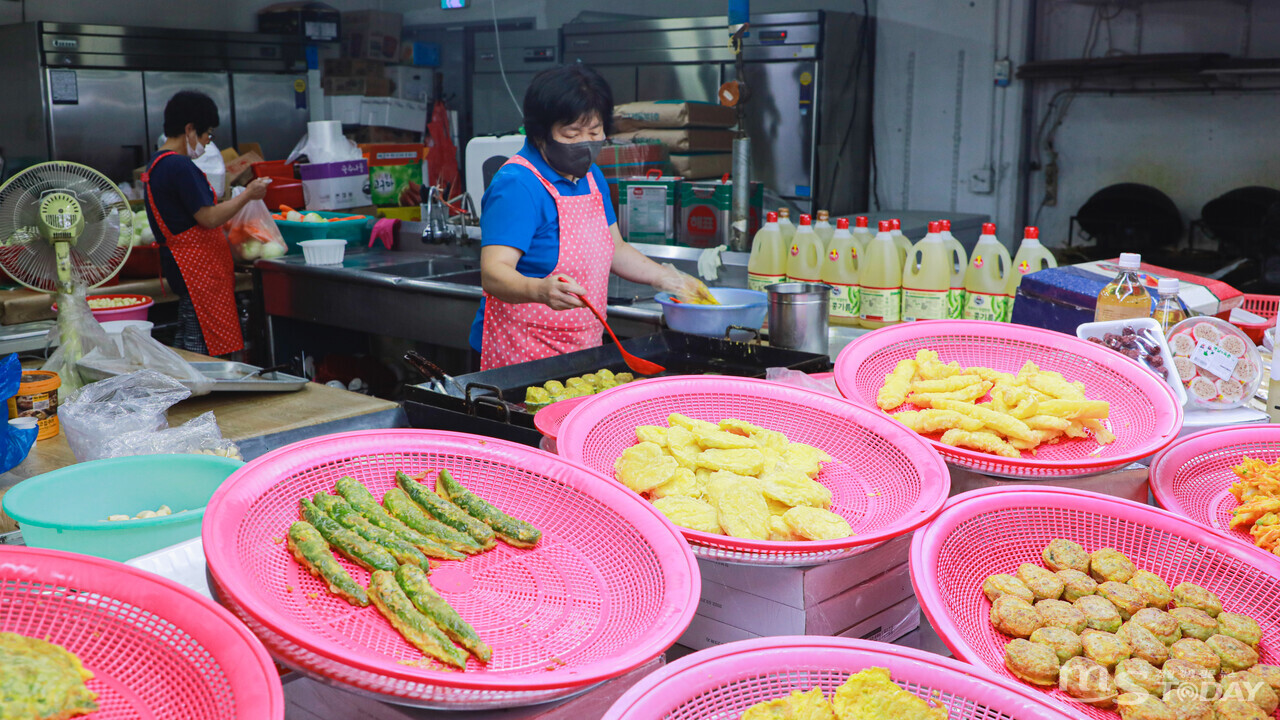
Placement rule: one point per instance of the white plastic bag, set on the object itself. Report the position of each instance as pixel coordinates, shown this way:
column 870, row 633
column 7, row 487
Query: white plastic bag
column 214, row 168
column 102, row 411
column 141, row 351
column 787, row 376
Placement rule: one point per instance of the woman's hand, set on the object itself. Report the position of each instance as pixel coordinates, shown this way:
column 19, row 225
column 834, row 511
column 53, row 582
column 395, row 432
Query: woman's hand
column 560, row 292
column 257, row 189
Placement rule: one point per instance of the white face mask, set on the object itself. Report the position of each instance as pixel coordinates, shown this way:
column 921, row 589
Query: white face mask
column 194, row 150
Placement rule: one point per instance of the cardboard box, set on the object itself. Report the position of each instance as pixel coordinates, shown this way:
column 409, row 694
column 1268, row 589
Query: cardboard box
column 354, row 67
column 353, row 85
column 344, row 108
column 371, row 34
column 647, row 209
column 312, row 20
column 335, row 186
column 408, row 83
column 363, row 135
column 240, row 170
column 886, row 626
column 706, row 212
column 394, row 113
column 391, row 168
column 672, row 114
column 701, row 166
column 683, row 140
column 622, row 160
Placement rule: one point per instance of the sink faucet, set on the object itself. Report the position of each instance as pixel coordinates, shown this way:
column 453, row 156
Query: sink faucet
column 437, row 228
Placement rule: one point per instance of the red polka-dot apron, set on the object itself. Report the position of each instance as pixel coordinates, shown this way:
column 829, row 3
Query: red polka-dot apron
column 204, row 257
column 532, row 331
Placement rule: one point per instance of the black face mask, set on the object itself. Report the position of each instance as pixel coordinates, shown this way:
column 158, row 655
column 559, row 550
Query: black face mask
column 573, row 159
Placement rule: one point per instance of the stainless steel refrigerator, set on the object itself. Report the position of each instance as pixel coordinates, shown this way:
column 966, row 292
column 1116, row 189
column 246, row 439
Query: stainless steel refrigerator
column 809, row 76
column 95, row 94
column 525, row 53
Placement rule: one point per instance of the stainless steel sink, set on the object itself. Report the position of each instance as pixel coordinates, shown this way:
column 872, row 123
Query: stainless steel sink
column 466, row 277
column 430, row 267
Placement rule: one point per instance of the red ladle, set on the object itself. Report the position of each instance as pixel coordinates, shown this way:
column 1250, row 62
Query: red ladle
column 637, row 364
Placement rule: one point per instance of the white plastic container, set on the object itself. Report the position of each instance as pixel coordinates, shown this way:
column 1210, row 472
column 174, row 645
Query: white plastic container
column 323, row 252
column 1152, row 328
column 115, row 330
column 1223, row 366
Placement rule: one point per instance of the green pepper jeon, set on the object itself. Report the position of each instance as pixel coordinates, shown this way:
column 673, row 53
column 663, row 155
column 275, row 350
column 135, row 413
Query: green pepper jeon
column 425, row 598
column 445, row 511
column 309, row 547
column 514, row 532
column 359, row 497
column 403, row 508
column 413, row 625
column 338, row 509
column 366, row 554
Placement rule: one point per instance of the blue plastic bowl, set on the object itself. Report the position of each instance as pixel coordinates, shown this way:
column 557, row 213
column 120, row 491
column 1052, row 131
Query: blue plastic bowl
column 745, row 308
column 67, row 509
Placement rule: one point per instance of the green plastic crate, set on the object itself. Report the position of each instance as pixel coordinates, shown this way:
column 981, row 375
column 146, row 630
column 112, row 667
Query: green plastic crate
column 354, row 232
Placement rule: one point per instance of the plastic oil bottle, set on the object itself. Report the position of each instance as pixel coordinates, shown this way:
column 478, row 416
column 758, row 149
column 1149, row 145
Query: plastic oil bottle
column 1031, row 257
column 840, row 271
column 902, row 241
column 861, row 233
column 785, row 227
column 926, row 278
column 959, row 262
column 880, row 276
column 823, row 229
column 768, row 262
column 1125, row 297
column 1169, row 309
column 986, row 278
column 805, row 263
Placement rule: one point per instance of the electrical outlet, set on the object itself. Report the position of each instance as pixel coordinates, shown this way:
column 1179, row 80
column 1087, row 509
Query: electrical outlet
column 1003, row 72
column 982, row 181
column 1051, row 184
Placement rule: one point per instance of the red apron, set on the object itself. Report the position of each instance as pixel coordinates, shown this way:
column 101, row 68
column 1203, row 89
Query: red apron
column 204, row 258
column 532, row 331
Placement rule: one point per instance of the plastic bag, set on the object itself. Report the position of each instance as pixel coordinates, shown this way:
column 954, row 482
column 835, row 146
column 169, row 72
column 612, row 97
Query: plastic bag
column 15, row 442
column 198, row 435
column 104, row 410
column 787, row 376
column 253, row 233
column 141, row 351
column 77, row 333
column 214, row 168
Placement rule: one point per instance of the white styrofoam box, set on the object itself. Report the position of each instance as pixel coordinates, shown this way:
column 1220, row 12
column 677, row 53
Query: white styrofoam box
column 411, row 83
column 1128, row 482
column 808, row 586
column 1195, row 420
column 393, row 113
column 183, row 563
column 767, row 617
column 886, row 626
column 344, row 108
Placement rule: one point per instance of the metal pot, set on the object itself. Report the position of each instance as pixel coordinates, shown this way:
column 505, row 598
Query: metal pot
column 798, row 316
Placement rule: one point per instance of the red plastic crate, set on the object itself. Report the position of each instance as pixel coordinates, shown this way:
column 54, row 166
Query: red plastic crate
column 1261, row 305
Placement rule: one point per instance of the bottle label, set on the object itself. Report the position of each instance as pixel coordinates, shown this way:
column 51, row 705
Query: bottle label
column 1119, row 312
column 955, row 303
column 982, row 306
column 758, row 281
column 881, row 304
column 846, row 301
column 924, row 304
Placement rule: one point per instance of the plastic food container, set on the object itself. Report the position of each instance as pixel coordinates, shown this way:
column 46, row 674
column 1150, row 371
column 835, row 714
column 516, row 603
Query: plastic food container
column 115, row 329
column 351, row 231
column 283, row 191
column 136, row 311
column 1153, row 333
column 324, row 252
column 67, row 509
column 37, row 398
column 1219, row 365
column 744, row 308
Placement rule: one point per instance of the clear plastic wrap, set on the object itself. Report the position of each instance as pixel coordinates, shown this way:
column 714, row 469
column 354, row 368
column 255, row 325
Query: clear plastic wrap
column 198, row 435
column 103, row 411
column 787, row 376
column 142, row 351
column 77, row 333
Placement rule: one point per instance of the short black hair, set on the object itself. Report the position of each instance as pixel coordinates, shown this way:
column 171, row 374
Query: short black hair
column 190, row 106
column 565, row 94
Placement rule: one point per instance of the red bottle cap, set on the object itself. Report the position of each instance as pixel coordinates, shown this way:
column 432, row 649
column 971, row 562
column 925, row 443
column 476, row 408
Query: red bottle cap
column 935, row 227
column 843, row 223
column 946, row 225
column 988, row 228
column 1031, row 232
column 885, row 226
column 861, row 221
column 771, row 217
column 805, row 220
column 895, row 224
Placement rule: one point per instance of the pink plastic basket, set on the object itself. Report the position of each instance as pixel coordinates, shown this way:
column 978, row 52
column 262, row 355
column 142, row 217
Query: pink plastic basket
column 1192, row 476
column 885, row 480
column 985, row 532
column 610, row 586
column 151, row 644
column 724, row 681
column 549, row 419
column 1145, row 416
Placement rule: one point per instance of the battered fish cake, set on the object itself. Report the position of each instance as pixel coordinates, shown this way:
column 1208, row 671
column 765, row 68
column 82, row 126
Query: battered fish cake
column 1233, row 654
column 1269, row 673
column 1127, row 600
column 1145, row 645
column 1238, row 710
column 1188, row 706
column 1063, row 554
column 1193, row 596
column 1161, row 624
column 1059, row 614
column 1064, row 643
column 1111, row 564
column 1139, row 676
column 1141, row 706
column 997, row 585
column 1195, row 623
column 1015, row 617
column 1196, row 652
column 1104, row 648
column 1099, row 613
column 1087, row 681
column 1043, row 583
column 1179, row 672
column 1033, row 662
column 1250, row 687
column 1241, row 627
column 1076, row 585
column 1154, row 590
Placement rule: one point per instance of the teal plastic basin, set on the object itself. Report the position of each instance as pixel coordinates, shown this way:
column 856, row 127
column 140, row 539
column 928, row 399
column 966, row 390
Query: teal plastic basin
column 353, row 231
column 67, row 509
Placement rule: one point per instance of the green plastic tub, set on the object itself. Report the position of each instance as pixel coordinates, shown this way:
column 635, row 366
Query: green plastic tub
column 67, row 509
column 353, row 231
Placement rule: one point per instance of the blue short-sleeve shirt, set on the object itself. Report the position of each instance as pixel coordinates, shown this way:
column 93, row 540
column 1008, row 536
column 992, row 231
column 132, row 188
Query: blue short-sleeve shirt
column 517, row 211
column 180, row 189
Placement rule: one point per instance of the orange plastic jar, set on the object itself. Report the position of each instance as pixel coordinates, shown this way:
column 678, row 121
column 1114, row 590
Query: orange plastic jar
column 38, row 398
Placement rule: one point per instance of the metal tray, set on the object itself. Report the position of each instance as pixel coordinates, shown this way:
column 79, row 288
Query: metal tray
column 227, row 377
